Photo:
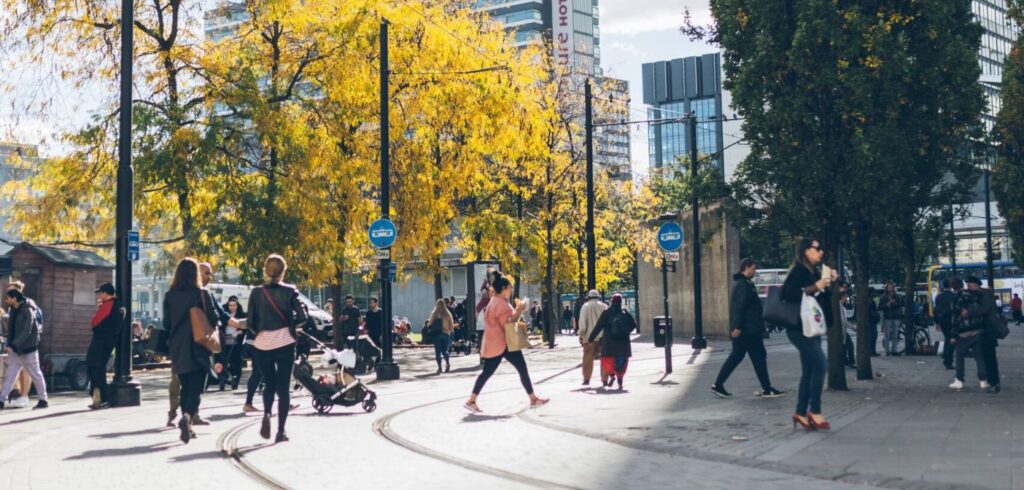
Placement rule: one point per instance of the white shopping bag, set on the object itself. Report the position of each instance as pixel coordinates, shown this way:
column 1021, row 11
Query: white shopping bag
column 812, row 317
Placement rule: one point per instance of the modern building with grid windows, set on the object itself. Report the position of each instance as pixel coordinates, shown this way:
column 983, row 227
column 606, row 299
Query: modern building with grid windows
column 675, row 88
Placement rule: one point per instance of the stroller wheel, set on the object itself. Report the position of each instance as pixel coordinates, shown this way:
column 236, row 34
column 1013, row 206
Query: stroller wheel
column 322, row 403
column 369, row 405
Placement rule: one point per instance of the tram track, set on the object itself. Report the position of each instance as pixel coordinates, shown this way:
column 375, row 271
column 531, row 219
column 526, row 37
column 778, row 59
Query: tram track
column 227, row 444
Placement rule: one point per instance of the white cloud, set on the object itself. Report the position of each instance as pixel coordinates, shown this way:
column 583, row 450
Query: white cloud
column 632, row 17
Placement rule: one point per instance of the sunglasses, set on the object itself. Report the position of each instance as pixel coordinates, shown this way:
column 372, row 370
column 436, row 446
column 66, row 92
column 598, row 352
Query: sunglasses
column 818, row 248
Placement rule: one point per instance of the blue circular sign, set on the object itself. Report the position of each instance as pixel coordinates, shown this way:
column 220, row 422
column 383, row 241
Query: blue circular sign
column 670, row 237
column 383, row 233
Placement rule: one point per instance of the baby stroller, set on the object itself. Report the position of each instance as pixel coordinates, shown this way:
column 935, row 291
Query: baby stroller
column 340, row 388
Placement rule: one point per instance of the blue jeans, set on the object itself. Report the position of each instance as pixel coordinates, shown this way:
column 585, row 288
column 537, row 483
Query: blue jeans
column 813, row 365
column 442, row 344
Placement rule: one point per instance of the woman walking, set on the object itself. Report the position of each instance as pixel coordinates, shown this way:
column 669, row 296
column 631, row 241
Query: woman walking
column 494, row 348
column 805, row 278
column 441, row 325
column 274, row 313
column 190, row 362
column 234, row 338
column 617, row 324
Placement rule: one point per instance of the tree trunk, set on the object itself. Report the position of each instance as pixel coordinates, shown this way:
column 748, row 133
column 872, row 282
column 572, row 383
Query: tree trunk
column 438, row 293
column 836, row 336
column 861, row 245
column 909, row 268
column 519, row 247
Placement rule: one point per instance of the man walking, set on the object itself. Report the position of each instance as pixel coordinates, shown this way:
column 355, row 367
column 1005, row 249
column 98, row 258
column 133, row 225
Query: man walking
column 891, row 307
column 350, row 319
column 23, row 383
column 590, row 312
column 944, row 320
column 23, row 348
column 105, row 329
column 375, row 323
column 747, row 332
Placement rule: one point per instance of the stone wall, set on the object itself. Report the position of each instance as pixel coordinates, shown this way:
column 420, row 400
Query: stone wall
column 720, row 260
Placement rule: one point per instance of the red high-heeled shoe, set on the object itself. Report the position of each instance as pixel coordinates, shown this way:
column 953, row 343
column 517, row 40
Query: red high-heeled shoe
column 823, row 425
column 805, row 422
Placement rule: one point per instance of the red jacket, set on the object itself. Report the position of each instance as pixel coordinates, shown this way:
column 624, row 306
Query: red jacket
column 105, row 319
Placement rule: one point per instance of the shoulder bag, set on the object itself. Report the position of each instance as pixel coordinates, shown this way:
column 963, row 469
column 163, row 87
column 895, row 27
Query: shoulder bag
column 781, row 313
column 202, row 332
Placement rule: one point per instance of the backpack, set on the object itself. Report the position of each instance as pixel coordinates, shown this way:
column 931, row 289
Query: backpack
column 436, row 327
column 619, row 327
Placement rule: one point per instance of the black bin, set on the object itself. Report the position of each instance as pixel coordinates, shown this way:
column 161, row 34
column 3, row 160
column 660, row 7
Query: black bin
column 662, row 330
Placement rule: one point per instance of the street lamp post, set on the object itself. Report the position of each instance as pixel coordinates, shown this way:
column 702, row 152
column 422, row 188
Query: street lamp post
column 123, row 392
column 387, row 368
column 988, row 228
column 698, row 342
column 591, row 245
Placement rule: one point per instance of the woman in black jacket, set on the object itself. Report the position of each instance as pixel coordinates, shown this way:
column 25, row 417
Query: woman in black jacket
column 617, row 324
column 746, row 327
column 190, row 362
column 805, row 278
column 274, row 313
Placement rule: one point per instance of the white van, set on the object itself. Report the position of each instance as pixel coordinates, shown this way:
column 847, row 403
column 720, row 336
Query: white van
column 323, row 321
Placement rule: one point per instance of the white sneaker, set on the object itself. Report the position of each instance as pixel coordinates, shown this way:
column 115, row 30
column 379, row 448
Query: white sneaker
column 984, row 385
column 957, row 384
column 21, row 402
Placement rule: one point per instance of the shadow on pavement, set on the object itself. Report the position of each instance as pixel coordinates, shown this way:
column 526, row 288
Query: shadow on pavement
column 43, row 417
column 115, row 435
column 218, row 417
column 127, row 451
column 484, row 418
column 185, row 458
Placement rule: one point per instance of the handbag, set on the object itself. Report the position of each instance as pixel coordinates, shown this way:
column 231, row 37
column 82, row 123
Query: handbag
column 515, row 337
column 202, row 332
column 812, row 317
column 779, row 312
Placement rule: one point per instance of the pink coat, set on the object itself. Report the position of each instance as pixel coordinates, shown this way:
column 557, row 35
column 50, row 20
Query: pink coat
column 497, row 314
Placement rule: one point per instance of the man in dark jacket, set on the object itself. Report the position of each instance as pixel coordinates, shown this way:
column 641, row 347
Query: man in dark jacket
column 977, row 307
column 23, row 346
column 105, row 328
column 747, row 332
column 944, row 320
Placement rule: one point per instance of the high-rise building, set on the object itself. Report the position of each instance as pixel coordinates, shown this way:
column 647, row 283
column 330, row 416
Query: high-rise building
column 573, row 26
column 999, row 36
column 26, row 155
column 672, row 89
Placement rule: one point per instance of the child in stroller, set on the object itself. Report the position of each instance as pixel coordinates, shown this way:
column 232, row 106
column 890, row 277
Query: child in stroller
column 339, row 388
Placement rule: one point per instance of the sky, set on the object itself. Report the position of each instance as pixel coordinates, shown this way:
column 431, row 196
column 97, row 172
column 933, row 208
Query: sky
column 633, row 32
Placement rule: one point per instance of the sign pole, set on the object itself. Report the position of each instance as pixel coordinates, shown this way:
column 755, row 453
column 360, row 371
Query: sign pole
column 387, row 368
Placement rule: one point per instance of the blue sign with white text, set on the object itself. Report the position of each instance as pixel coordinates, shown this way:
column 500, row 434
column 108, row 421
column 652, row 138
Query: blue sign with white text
column 383, row 233
column 133, row 246
column 670, row 237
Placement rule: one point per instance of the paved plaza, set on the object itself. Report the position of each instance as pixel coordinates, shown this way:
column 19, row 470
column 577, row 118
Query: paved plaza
column 904, row 429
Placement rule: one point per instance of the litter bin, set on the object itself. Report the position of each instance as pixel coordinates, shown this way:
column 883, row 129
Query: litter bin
column 662, row 330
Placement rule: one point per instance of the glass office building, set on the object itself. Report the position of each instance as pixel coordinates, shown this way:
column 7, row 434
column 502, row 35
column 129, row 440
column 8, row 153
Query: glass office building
column 678, row 87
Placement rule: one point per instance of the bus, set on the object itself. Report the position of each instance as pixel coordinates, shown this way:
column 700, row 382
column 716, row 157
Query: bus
column 1009, row 279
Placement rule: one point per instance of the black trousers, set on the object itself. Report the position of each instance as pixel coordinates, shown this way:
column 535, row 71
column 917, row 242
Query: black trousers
column 741, row 347
column 255, row 377
column 192, row 385
column 491, row 365
column 276, row 367
column 988, row 345
column 947, row 350
column 96, row 359
column 873, row 337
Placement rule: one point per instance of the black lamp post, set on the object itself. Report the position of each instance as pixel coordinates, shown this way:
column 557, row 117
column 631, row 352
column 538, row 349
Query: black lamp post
column 123, row 392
